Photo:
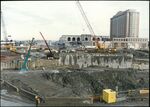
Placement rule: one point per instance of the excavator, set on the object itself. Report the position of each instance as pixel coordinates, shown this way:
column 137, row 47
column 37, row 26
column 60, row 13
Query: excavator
column 100, row 47
column 50, row 55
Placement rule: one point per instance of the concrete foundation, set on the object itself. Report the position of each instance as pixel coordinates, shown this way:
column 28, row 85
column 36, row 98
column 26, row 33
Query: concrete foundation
column 81, row 60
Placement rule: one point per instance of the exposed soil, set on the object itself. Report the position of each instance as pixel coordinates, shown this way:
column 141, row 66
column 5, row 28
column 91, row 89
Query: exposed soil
column 75, row 83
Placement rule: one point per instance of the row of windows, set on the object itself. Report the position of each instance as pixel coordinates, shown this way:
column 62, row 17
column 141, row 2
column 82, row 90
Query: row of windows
column 86, row 39
column 130, row 39
column 74, row 39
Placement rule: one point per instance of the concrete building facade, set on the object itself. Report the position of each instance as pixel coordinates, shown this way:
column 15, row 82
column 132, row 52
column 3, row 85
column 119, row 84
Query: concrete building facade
column 129, row 42
column 84, row 39
column 125, row 24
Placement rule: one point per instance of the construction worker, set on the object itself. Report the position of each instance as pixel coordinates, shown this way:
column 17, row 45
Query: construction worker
column 37, row 100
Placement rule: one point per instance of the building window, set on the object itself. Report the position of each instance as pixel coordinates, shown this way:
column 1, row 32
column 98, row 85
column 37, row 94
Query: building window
column 98, row 39
column 69, row 38
column 78, row 39
column 73, row 39
column 86, row 39
column 93, row 43
column 93, row 39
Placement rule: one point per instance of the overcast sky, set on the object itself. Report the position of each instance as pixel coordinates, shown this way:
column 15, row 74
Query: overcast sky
column 24, row 19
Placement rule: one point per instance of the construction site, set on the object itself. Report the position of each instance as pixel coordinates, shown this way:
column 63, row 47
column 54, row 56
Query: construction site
column 76, row 74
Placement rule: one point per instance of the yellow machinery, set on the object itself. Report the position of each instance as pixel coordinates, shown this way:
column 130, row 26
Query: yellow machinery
column 141, row 92
column 100, row 45
column 109, row 96
column 102, row 48
column 144, row 91
column 13, row 49
column 10, row 47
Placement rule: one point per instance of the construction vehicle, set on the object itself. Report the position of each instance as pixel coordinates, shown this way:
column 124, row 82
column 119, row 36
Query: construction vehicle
column 100, row 47
column 9, row 44
column 110, row 96
column 24, row 65
column 50, row 54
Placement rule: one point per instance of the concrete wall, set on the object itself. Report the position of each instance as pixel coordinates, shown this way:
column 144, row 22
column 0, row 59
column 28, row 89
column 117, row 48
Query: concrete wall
column 95, row 59
column 140, row 64
column 32, row 64
column 10, row 65
column 15, row 64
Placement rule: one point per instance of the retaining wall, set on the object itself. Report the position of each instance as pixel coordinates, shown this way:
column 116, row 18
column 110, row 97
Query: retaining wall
column 81, row 60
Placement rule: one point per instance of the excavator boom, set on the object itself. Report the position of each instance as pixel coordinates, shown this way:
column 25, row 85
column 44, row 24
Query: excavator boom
column 51, row 54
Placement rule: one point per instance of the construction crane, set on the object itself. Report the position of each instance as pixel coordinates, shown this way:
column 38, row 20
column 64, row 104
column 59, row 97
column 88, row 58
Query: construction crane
column 98, row 45
column 8, row 43
column 24, row 65
column 51, row 54
column 85, row 18
column 4, row 28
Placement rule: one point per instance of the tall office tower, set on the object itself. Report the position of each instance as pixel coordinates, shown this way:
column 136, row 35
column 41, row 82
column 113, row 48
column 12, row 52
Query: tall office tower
column 125, row 24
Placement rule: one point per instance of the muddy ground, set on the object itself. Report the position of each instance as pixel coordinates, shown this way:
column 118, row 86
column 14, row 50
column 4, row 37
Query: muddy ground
column 77, row 83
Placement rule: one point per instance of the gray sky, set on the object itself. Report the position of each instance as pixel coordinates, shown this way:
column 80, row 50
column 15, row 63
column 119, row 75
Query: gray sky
column 24, row 19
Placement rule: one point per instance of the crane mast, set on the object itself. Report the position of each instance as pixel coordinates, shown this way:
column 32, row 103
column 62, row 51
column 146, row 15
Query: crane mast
column 24, row 65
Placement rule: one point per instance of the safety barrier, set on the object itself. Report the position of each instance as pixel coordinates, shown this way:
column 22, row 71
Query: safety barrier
column 32, row 96
column 66, row 101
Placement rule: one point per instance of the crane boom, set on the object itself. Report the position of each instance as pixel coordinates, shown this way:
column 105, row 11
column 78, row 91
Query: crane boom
column 100, row 46
column 4, row 28
column 24, row 66
column 88, row 24
column 85, row 18
column 51, row 54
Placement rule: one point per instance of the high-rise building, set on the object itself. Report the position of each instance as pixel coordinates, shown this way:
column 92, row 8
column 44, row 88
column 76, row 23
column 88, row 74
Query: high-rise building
column 125, row 24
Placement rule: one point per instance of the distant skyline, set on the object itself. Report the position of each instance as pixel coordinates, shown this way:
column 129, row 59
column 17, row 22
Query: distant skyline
column 25, row 19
